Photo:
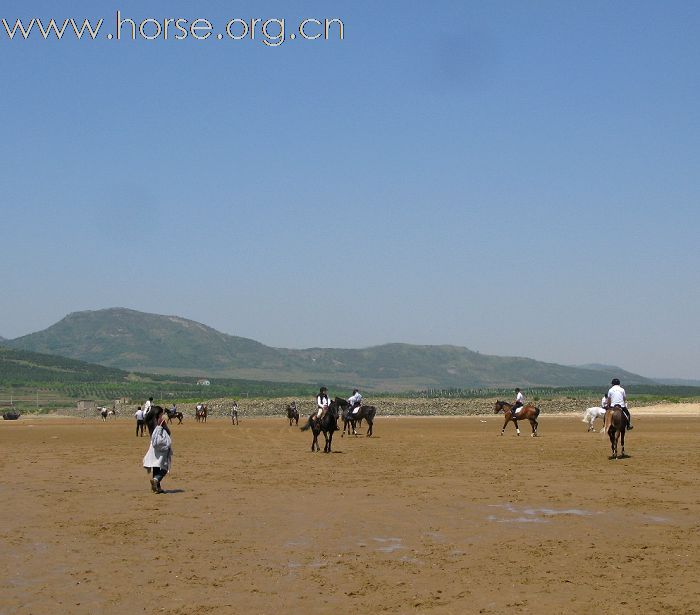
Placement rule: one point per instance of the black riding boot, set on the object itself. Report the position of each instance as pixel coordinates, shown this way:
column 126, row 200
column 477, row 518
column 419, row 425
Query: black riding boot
column 629, row 419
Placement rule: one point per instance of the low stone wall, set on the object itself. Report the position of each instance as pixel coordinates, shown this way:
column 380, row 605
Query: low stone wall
column 387, row 406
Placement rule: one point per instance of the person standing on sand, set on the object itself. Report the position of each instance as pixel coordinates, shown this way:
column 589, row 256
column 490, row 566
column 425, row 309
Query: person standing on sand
column 158, row 458
column 140, row 423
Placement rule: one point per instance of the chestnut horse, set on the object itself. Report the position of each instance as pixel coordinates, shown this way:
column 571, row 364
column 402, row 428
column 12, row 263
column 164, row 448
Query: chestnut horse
column 524, row 412
column 615, row 427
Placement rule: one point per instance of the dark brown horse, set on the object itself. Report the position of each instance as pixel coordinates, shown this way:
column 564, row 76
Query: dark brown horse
column 174, row 414
column 524, row 412
column 150, row 418
column 615, row 427
column 328, row 424
column 352, row 419
column 293, row 413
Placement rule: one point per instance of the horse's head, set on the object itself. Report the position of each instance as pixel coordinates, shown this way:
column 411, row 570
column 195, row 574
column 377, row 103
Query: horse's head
column 498, row 406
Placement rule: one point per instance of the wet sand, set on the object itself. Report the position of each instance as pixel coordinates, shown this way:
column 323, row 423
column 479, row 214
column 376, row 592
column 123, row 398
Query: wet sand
column 430, row 515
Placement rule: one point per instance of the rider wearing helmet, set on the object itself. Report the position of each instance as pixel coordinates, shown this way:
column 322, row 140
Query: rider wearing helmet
column 618, row 397
column 322, row 402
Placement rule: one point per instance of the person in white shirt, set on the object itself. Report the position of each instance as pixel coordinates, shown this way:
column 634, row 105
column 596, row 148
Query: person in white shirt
column 618, row 397
column 140, row 423
column 322, row 402
column 519, row 402
column 355, row 401
column 147, row 407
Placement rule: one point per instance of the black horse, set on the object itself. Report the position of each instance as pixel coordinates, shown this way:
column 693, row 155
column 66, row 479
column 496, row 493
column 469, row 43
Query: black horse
column 354, row 419
column 328, row 424
column 174, row 414
column 150, row 418
column 293, row 413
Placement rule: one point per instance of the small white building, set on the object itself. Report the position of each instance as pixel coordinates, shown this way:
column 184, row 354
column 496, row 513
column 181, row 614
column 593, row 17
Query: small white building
column 203, row 382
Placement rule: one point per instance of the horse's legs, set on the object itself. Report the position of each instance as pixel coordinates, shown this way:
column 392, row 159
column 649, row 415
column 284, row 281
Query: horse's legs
column 504, row 425
column 369, row 427
column 533, row 425
column 516, row 426
column 613, row 443
column 622, row 437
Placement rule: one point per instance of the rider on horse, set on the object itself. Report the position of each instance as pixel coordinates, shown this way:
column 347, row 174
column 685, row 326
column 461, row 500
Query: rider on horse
column 322, row 402
column 355, row 401
column 618, row 397
column 519, row 403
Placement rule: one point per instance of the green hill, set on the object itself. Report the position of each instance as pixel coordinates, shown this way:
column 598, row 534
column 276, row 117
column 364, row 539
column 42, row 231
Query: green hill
column 17, row 367
column 136, row 341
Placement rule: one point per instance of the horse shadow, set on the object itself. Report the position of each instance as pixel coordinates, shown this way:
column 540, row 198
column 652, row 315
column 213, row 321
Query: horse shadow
column 172, row 491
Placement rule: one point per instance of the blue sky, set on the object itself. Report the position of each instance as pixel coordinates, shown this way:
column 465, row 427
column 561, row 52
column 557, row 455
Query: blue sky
column 521, row 178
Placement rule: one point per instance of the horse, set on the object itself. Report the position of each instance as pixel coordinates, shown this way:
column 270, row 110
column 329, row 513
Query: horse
column 104, row 413
column 234, row 414
column 293, row 413
column 591, row 414
column 200, row 414
column 174, row 414
column 328, row 424
column 525, row 412
column 615, row 427
column 352, row 419
column 150, row 418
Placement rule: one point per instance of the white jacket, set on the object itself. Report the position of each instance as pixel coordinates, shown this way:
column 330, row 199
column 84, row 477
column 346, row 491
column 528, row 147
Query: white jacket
column 161, row 460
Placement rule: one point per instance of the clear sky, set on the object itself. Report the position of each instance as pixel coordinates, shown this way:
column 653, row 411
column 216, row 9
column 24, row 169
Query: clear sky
column 521, row 178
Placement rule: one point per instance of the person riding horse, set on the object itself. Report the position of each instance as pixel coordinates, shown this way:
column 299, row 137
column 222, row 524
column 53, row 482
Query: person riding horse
column 322, row 402
column 618, row 397
column 355, row 401
column 519, row 402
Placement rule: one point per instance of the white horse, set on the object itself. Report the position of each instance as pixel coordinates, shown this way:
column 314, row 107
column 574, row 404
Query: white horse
column 591, row 414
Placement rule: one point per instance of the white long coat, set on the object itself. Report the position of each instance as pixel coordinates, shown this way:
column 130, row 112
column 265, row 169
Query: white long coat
column 163, row 460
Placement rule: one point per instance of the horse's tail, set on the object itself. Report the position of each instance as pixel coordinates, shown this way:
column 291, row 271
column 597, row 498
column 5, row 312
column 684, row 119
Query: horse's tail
column 537, row 411
column 371, row 412
column 607, row 421
column 307, row 426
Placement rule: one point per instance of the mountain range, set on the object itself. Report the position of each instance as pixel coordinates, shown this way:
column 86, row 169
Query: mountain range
column 151, row 343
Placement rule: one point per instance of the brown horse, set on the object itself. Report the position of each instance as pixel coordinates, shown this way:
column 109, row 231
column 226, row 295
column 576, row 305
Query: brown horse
column 615, row 427
column 200, row 414
column 174, row 414
column 525, row 412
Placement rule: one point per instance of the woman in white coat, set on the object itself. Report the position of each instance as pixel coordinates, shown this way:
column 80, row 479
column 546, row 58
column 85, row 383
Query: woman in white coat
column 159, row 457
